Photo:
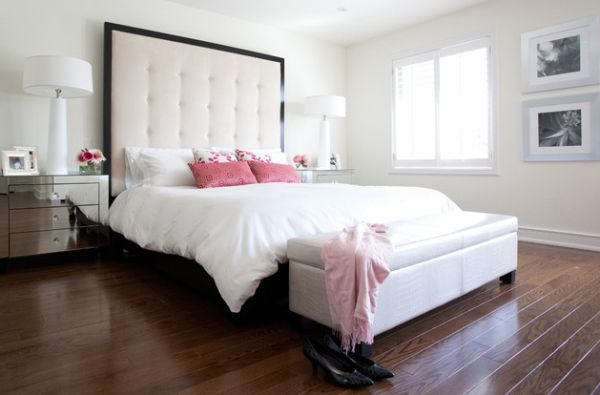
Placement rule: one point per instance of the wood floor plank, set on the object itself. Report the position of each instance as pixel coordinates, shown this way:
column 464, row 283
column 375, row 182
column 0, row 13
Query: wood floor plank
column 472, row 375
column 65, row 375
column 410, row 348
column 584, row 378
column 200, row 368
column 530, row 332
column 548, row 373
column 529, row 357
column 489, row 323
column 433, row 319
column 233, row 379
column 547, row 293
column 116, row 326
column 432, row 374
column 511, row 323
column 466, row 378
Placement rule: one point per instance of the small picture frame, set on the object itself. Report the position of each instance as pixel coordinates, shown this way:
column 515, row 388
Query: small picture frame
column 335, row 161
column 32, row 163
column 562, row 56
column 14, row 163
column 562, row 128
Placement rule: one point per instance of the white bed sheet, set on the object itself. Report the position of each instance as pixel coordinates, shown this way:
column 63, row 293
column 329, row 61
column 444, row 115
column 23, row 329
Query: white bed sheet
column 239, row 234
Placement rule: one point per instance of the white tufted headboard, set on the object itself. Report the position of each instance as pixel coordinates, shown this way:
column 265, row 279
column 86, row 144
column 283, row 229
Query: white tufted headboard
column 168, row 91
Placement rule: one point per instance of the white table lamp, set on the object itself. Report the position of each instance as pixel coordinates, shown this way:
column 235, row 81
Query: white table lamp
column 58, row 77
column 325, row 106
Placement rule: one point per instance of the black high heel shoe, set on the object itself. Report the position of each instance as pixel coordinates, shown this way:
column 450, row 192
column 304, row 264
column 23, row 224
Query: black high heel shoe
column 336, row 367
column 362, row 364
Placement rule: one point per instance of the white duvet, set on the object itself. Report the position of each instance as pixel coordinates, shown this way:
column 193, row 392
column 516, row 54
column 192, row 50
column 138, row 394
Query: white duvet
column 239, row 234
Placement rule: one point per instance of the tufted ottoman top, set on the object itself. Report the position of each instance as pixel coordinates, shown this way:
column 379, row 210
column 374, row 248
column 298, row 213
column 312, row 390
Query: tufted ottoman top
column 419, row 239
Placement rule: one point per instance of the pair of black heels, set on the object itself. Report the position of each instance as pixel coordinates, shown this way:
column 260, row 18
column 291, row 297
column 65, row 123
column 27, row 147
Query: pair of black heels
column 344, row 369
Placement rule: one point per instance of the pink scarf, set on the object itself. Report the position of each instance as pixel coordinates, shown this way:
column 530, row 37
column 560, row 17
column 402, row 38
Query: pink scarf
column 355, row 265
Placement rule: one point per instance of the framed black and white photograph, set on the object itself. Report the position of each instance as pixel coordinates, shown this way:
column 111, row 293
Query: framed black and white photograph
column 562, row 56
column 32, row 162
column 335, row 161
column 562, row 128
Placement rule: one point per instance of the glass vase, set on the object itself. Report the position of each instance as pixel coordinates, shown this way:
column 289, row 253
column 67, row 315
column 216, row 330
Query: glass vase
column 90, row 169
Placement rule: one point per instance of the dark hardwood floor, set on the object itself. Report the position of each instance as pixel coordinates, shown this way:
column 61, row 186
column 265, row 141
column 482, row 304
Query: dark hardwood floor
column 92, row 326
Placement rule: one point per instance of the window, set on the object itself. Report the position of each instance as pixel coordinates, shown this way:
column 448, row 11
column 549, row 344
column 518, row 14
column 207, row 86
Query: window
column 442, row 109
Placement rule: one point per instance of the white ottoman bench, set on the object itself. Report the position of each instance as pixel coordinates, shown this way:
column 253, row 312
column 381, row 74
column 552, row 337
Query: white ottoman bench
column 436, row 259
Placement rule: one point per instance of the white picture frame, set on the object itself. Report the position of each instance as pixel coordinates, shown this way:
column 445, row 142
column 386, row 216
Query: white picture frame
column 15, row 163
column 32, row 161
column 562, row 128
column 561, row 56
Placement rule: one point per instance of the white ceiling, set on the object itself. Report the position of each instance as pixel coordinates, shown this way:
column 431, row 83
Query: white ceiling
column 363, row 19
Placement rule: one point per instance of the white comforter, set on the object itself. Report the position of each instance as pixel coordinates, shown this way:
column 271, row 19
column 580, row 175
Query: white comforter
column 238, row 234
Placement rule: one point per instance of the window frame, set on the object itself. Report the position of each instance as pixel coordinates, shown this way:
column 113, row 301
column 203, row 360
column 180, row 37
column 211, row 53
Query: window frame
column 438, row 166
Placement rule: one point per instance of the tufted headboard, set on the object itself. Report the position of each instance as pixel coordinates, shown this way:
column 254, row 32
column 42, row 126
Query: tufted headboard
column 167, row 91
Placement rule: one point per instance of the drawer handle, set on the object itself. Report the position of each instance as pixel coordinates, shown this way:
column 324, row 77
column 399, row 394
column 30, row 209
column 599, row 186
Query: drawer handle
column 55, row 218
column 55, row 240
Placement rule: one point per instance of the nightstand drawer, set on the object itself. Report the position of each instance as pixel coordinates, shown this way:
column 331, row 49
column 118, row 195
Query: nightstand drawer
column 35, row 219
column 33, row 243
column 47, row 195
column 323, row 176
column 335, row 178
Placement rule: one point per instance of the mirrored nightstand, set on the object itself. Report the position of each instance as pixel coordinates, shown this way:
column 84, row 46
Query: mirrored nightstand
column 47, row 213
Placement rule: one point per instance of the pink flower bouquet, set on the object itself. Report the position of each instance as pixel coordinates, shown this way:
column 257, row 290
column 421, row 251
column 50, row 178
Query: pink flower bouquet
column 90, row 161
column 90, row 156
column 302, row 160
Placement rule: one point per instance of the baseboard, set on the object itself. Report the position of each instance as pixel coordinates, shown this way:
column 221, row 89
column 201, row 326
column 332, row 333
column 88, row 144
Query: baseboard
column 560, row 239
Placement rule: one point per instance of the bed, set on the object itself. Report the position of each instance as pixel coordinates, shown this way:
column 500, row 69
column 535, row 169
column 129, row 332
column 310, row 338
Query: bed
column 163, row 91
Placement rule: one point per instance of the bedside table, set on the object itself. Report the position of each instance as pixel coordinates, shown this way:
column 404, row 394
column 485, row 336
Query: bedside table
column 342, row 176
column 45, row 214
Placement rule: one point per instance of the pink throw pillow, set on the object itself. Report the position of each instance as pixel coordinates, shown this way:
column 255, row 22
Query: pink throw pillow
column 226, row 174
column 252, row 156
column 273, row 172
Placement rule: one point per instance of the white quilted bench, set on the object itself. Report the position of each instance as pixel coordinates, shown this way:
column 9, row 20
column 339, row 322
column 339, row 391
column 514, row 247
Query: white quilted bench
column 436, row 259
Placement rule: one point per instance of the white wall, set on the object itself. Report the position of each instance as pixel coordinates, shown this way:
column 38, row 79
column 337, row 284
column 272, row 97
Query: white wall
column 75, row 28
column 559, row 196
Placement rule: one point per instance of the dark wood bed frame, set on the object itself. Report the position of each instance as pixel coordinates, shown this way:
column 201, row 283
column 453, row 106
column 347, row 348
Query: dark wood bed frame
column 273, row 291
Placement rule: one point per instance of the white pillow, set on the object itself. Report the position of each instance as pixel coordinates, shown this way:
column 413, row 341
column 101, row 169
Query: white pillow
column 133, row 173
column 158, row 166
column 279, row 157
column 276, row 155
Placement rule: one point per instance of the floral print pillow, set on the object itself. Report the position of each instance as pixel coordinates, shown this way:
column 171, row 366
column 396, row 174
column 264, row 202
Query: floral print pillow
column 209, row 156
column 252, row 156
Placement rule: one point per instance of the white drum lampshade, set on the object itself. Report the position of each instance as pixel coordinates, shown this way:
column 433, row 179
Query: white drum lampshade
column 325, row 106
column 58, row 77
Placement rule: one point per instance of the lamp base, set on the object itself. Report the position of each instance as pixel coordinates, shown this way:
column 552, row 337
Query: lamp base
column 56, row 157
column 324, row 159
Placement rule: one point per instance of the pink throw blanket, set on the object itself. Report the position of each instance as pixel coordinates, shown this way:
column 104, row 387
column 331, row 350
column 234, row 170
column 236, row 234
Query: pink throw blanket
column 355, row 265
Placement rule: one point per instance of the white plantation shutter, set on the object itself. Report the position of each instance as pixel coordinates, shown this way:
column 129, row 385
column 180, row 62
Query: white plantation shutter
column 442, row 114
column 415, row 108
